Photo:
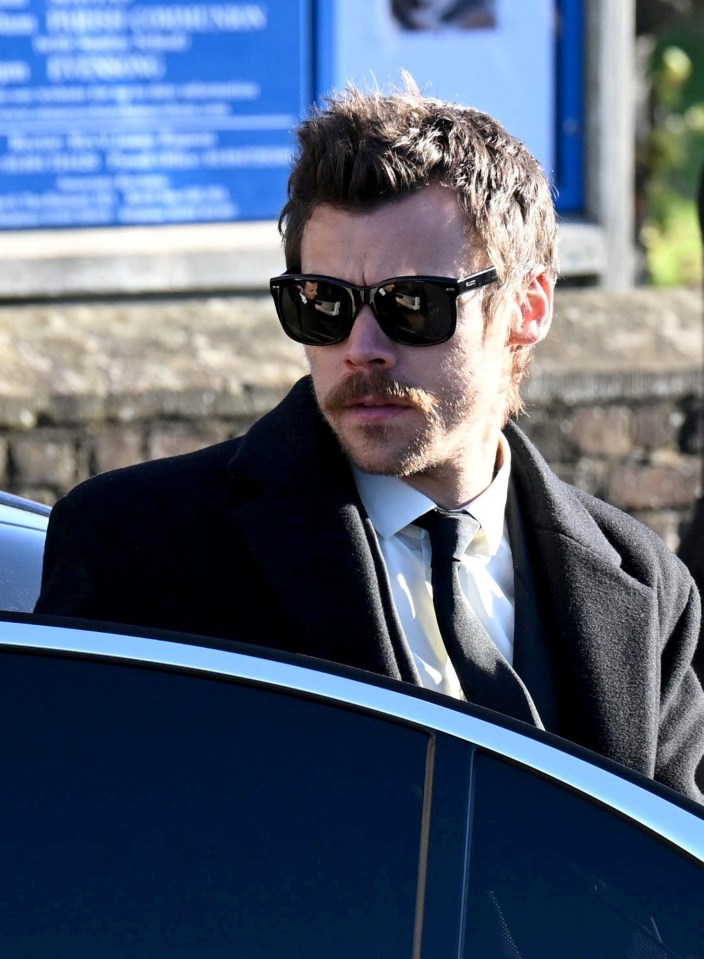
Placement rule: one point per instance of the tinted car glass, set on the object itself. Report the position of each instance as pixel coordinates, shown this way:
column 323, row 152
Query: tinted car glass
column 152, row 813
column 554, row 874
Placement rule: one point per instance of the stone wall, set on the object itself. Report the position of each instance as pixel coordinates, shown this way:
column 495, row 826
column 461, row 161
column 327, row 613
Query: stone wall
column 614, row 401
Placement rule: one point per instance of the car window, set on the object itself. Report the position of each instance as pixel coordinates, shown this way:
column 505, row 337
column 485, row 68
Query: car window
column 152, row 813
column 555, row 874
column 21, row 551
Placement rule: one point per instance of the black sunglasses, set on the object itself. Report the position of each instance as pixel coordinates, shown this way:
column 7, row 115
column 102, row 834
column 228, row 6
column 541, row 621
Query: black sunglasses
column 413, row 310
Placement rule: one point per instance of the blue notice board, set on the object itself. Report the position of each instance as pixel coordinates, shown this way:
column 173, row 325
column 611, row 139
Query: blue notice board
column 123, row 112
column 520, row 60
column 138, row 112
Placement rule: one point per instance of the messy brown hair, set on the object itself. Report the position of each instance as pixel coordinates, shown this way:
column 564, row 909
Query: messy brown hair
column 360, row 150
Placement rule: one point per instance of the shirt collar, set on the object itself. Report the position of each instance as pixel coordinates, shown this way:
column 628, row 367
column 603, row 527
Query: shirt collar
column 392, row 504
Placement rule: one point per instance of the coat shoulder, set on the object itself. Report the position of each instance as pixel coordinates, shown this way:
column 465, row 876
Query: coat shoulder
column 641, row 548
column 187, row 474
column 555, row 504
column 209, row 480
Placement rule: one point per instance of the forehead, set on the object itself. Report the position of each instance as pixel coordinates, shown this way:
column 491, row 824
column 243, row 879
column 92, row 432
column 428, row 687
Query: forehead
column 423, row 233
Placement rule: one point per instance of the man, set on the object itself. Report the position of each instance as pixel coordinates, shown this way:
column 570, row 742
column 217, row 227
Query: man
column 429, row 234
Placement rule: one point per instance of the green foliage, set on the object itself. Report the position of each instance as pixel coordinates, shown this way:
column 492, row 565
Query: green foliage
column 674, row 156
column 671, row 238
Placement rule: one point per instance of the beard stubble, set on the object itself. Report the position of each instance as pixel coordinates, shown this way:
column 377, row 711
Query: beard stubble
column 379, row 448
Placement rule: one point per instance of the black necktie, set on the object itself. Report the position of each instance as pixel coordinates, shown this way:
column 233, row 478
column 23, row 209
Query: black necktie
column 486, row 677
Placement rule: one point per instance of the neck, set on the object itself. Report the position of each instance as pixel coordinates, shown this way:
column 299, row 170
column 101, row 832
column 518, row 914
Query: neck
column 454, row 485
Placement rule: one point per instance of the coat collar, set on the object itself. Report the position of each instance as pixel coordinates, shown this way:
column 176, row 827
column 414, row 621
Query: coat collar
column 305, row 528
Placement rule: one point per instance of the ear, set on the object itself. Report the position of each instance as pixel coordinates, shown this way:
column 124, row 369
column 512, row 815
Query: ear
column 532, row 313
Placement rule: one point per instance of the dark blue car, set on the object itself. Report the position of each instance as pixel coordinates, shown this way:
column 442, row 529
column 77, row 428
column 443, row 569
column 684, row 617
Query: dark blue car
column 172, row 797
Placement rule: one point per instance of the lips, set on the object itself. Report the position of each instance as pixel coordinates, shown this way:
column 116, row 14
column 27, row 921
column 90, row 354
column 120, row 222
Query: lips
column 377, row 403
column 375, row 410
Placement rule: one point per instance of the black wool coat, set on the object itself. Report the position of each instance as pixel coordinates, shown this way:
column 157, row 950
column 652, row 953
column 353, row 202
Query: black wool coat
column 263, row 539
column 691, row 552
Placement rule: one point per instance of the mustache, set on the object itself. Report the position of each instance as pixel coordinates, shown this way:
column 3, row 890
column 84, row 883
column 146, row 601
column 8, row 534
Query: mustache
column 380, row 385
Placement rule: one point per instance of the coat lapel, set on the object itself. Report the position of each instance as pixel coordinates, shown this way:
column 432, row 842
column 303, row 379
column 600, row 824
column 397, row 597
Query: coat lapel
column 604, row 620
column 307, row 534
column 600, row 616
column 532, row 654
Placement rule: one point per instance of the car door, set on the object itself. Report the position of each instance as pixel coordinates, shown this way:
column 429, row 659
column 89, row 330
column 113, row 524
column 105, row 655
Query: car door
column 165, row 798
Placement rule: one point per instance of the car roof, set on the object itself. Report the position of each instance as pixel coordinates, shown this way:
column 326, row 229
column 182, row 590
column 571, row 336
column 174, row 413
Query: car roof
column 18, row 511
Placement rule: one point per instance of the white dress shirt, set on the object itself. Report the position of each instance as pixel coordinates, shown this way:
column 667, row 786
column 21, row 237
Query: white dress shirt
column 486, row 573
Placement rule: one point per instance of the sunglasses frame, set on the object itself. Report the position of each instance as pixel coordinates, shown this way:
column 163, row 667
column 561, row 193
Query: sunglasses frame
column 364, row 296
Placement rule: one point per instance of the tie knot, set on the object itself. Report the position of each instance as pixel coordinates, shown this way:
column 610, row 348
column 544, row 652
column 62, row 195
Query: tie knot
column 450, row 533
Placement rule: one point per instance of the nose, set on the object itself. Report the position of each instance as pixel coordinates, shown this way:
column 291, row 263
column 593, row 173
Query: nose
column 368, row 345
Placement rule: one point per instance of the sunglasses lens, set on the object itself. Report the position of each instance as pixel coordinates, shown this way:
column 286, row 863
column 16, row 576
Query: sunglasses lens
column 314, row 312
column 417, row 313
column 319, row 312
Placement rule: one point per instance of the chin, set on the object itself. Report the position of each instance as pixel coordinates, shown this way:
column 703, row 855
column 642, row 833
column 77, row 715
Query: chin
column 383, row 455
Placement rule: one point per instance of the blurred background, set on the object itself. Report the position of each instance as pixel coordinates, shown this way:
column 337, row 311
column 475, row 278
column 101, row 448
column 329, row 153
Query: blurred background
column 670, row 138
column 145, row 145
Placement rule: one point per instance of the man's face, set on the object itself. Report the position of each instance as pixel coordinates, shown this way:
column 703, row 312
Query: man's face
column 422, row 413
